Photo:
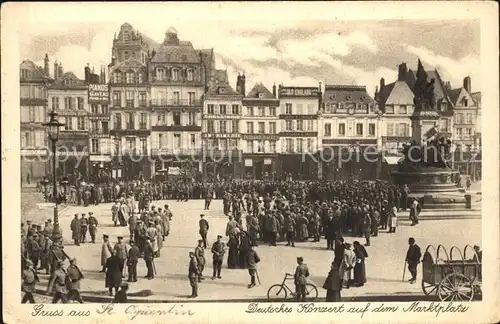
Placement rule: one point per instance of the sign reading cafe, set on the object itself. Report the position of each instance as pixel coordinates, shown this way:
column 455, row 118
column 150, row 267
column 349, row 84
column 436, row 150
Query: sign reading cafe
column 98, row 92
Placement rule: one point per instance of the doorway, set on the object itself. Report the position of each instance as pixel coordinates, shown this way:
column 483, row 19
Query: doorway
column 259, row 169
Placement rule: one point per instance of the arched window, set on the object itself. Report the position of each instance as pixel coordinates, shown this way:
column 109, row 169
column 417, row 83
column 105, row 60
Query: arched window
column 160, row 74
column 130, row 77
column 117, row 77
column 175, row 74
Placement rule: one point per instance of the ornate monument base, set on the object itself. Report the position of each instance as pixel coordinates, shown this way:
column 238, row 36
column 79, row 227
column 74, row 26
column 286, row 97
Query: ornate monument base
column 427, row 180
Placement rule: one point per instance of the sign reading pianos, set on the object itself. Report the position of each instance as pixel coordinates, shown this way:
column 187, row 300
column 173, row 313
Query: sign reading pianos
column 98, row 93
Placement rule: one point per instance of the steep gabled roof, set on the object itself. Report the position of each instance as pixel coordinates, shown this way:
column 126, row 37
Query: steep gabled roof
column 477, row 98
column 454, row 95
column 176, row 54
column 347, row 93
column 221, row 76
column 260, row 88
column 439, row 88
column 62, row 81
column 400, row 94
column 384, row 93
column 131, row 63
column 222, row 89
column 35, row 72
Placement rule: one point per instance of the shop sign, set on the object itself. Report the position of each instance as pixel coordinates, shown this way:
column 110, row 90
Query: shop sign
column 298, row 92
column 98, row 92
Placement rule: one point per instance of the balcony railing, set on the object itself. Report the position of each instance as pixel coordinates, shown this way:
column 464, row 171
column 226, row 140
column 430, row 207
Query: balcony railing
column 129, row 103
column 158, row 102
column 143, row 126
column 184, row 102
column 99, row 131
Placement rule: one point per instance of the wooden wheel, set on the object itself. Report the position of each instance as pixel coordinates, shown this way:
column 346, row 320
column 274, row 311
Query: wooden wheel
column 428, row 288
column 456, row 287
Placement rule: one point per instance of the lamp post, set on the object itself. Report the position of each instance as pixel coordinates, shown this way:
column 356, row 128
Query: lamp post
column 54, row 127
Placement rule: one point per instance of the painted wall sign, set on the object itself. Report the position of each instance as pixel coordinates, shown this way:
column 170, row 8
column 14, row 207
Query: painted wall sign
column 98, row 92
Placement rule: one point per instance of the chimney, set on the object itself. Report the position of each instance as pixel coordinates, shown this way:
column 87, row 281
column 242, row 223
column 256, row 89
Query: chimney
column 87, row 73
column 467, row 84
column 60, row 71
column 56, row 70
column 238, row 83
column 243, row 92
column 46, row 65
column 102, row 79
column 447, row 85
column 274, row 90
column 402, row 71
column 382, row 84
column 113, row 61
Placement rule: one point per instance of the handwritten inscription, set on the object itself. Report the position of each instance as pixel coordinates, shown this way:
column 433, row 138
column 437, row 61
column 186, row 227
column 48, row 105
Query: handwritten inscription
column 134, row 311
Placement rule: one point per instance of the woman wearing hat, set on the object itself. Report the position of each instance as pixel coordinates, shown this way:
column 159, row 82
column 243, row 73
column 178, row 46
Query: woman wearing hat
column 333, row 283
column 359, row 268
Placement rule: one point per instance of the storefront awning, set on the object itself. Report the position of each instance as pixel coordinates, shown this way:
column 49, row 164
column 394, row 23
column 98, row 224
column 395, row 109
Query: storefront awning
column 392, row 160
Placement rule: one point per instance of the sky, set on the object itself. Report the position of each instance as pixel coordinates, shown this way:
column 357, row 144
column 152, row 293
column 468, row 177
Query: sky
column 294, row 51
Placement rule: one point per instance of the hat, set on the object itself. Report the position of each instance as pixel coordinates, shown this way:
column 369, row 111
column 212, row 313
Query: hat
column 28, row 222
column 76, row 214
column 132, row 242
column 60, row 263
column 120, row 237
column 105, row 235
column 72, row 260
column 91, row 213
column 191, row 253
column 200, row 241
column 300, row 259
column 219, row 236
column 202, row 215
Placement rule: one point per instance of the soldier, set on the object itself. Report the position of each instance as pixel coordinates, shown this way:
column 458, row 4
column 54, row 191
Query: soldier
column 84, row 224
column 367, row 227
column 106, row 251
column 46, row 248
column 76, row 230
column 57, row 283
column 199, row 253
column 289, row 225
column 301, row 273
column 252, row 260
column 92, row 226
column 253, row 230
column 148, row 258
column 231, row 227
column 132, row 258
column 75, row 275
column 33, row 250
column 132, row 225
column 203, row 230
column 121, row 252
column 56, row 254
column 193, row 273
column 217, row 257
column 114, row 212
column 208, row 199
column 30, row 278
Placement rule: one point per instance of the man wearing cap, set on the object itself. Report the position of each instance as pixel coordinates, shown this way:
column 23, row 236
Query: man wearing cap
column 49, row 228
column 114, row 212
column 203, row 224
column 33, row 249
column 252, row 260
column 208, row 199
column 57, row 283
column 301, row 273
column 413, row 258
column 106, row 251
column 148, row 258
column 132, row 259
column 45, row 251
column 84, row 227
column 92, row 226
column 74, row 275
column 132, row 225
column 76, row 230
column 217, row 256
column 199, row 253
column 193, row 275
column 121, row 252
column 30, row 278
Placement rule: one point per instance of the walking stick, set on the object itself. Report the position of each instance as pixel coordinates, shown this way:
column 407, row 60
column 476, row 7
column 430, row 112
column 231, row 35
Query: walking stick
column 404, row 270
column 154, row 267
column 257, row 274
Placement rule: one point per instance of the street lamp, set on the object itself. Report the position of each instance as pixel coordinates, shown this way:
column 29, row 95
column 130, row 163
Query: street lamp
column 54, row 127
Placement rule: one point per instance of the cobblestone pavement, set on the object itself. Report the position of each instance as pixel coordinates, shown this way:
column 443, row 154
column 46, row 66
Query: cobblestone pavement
column 384, row 265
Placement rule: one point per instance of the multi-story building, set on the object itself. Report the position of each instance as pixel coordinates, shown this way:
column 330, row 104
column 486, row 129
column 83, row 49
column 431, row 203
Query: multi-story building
column 260, row 128
column 221, row 131
column 178, row 79
column 34, row 81
column 130, row 110
column 68, row 96
column 100, row 146
column 350, row 131
column 299, row 130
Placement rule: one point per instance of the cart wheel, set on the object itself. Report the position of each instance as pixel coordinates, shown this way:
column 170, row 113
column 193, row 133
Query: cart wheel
column 456, row 287
column 428, row 288
column 276, row 292
column 311, row 291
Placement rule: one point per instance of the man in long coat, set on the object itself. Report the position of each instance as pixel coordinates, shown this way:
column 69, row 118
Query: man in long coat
column 199, row 253
column 74, row 275
column 113, row 273
column 253, row 259
column 106, row 251
column 203, row 224
column 76, row 229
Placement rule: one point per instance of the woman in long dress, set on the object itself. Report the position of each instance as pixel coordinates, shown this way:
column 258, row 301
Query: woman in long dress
column 232, row 257
column 360, row 268
column 113, row 273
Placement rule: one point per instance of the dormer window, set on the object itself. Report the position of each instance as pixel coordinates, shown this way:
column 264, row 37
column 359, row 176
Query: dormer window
column 117, row 77
column 466, row 102
column 332, row 97
column 341, row 105
column 140, row 78
column 130, row 77
column 175, row 74
column 261, row 95
column 358, row 106
column 443, row 106
column 67, row 82
column 126, row 55
column 25, row 73
column 190, row 75
column 125, row 36
column 160, row 74
column 348, row 97
column 221, row 90
column 363, row 97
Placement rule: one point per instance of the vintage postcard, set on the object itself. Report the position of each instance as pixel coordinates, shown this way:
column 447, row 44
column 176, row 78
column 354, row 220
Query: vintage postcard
column 213, row 162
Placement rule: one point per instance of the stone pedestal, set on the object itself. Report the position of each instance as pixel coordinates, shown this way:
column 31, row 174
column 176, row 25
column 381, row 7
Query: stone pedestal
column 427, row 180
column 421, row 123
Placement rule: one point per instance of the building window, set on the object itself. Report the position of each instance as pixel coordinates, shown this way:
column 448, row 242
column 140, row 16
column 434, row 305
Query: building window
column 443, row 125
column 190, row 75
column 234, row 126
column 262, row 111
column 210, row 109
column 130, row 77
column 260, row 146
column 93, row 108
column 310, row 109
column 443, row 106
column 144, row 145
column 389, row 109
column 249, row 111
column 80, row 123
column 310, row 125
column 177, row 141
column 223, row 109
column 288, row 108
column 94, row 126
column 117, row 99
column 177, row 97
column 129, row 99
column 402, row 109
column 402, row 130
column 300, row 144
column 210, row 126
column 95, row 145
column 328, row 129
column 371, row 129
column 359, row 129
column 250, row 127
column 192, row 118
column 466, row 102
column 55, row 103
column 104, row 109
column 191, row 98
column 192, row 140
column 118, row 121
column 468, row 132
column 288, row 125
column 342, row 129
column 390, row 129
column 161, row 140
column 160, row 74
column 341, row 106
column 144, row 121
column 458, row 132
column 236, row 109
column 161, row 118
column 222, row 126
column 69, row 124
column 469, row 118
column 250, row 146
column 142, row 99
column 117, row 77
column 272, row 128
column 139, row 77
column 104, row 125
column 177, row 118
column 272, row 111
column 272, row 146
column 310, row 146
column 300, row 125
column 80, row 103
column 262, row 128
column 289, row 145
column 130, row 121
column 24, row 74
column 299, row 109
column 175, row 74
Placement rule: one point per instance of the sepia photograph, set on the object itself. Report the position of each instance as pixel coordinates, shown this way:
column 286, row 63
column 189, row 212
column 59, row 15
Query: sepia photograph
column 169, row 158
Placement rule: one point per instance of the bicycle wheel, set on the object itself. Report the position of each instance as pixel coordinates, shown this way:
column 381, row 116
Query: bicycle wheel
column 276, row 292
column 311, row 291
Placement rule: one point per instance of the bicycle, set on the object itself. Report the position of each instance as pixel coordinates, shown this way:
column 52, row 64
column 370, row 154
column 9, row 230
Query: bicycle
column 281, row 291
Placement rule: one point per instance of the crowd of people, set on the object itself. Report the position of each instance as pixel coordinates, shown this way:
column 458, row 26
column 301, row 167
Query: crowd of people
column 259, row 212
